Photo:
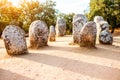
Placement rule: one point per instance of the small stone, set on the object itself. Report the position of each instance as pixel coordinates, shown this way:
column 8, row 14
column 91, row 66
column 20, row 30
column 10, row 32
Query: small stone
column 38, row 34
column 88, row 35
column 14, row 40
column 60, row 27
column 78, row 22
column 106, row 37
column 52, row 33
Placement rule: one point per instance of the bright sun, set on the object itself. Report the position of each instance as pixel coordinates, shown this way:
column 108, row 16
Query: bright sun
column 14, row 2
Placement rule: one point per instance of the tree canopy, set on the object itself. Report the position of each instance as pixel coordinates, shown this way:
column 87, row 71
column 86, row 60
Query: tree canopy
column 109, row 9
column 26, row 13
column 31, row 10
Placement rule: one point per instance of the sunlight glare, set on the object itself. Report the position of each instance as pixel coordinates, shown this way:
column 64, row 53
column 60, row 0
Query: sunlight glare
column 14, row 2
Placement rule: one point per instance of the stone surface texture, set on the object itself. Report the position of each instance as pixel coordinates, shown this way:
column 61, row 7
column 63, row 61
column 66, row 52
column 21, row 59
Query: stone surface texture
column 106, row 37
column 14, row 40
column 88, row 35
column 38, row 34
column 78, row 22
column 104, row 25
column 60, row 27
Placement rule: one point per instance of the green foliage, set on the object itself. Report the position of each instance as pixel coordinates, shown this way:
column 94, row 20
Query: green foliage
column 49, row 13
column 69, row 19
column 28, row 11
column 69, row 25
column 109, row 9
column 34, row 10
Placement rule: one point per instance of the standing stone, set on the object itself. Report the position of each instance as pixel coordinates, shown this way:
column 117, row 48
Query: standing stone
column 78, row 22
column 52, row 33
column 38, row 34
column 105, row 37
column 60, row 27
column 104, row 25
column 88, row 35
column 14, row 40
column 97, row 20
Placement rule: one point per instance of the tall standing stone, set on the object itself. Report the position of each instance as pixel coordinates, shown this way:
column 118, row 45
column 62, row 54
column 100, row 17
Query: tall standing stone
column 52, row 33
column 38, row 34
column 88, row 35
column 97, row 20
column 78, row 22
column 60, row 27
column 14, row 40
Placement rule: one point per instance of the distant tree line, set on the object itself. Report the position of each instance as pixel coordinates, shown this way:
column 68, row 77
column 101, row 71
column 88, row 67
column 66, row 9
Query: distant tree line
column 28, row 11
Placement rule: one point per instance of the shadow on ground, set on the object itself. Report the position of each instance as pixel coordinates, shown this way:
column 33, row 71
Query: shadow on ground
column 104, row 51
column 92, row 70
column 8, row 75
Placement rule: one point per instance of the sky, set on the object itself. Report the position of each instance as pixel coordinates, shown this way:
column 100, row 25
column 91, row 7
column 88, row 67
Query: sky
column 67, row 6
column 72, row 6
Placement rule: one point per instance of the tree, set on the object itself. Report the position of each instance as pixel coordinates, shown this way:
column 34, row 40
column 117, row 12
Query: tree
column 49, row 13
column 109, row 9
column 8, row 14
column 28, row 11
column 69, row 24
column 34, row 10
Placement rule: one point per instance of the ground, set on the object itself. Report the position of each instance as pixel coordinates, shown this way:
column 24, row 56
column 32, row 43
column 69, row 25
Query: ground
column 61, row 61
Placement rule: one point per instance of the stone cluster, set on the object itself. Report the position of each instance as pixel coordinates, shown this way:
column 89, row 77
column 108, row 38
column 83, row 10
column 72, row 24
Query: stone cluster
column 103, row 34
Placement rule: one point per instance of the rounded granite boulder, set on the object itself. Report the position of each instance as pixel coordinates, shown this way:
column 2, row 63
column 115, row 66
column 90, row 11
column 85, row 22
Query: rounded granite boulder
column 88, row 35
column 106, row 37
column 14, row 40
column 38, row 34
